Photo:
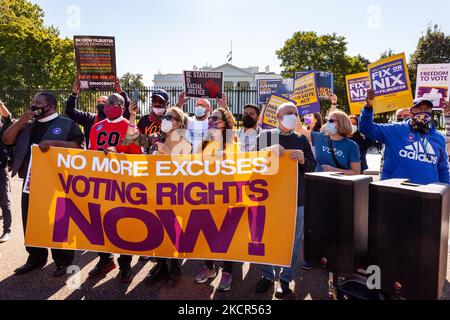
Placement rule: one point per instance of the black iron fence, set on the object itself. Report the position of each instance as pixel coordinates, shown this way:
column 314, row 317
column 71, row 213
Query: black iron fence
column 18, row 101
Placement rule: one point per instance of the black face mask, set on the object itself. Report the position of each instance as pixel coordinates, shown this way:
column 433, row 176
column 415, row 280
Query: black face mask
column 248, row 122
column 100, row 109
column 40, row 112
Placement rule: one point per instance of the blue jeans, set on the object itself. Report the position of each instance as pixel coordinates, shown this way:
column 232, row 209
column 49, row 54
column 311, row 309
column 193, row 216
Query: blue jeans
column 286, row 273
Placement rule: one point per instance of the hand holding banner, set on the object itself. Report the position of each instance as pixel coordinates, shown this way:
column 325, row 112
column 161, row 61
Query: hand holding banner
column 233, row 209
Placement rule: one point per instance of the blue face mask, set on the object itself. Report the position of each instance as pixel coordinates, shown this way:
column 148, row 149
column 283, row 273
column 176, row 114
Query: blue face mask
column 331, row 128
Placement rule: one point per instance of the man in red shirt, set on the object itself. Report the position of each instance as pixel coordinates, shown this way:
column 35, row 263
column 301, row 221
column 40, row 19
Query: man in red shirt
column 107, row 135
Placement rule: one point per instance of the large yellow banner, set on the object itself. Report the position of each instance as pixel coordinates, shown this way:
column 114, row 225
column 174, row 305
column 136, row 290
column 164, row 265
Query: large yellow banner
column 389, row 78
column 241, row 207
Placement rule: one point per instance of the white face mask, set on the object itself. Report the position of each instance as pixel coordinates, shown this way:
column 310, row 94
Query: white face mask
column 159, row 111
column 331, row 128
column 354, row 128
column 166, row 126
column 289, row 121
column 200, row 112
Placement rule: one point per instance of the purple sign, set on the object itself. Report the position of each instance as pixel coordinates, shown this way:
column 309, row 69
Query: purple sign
column 389, row 78
column 358, row 89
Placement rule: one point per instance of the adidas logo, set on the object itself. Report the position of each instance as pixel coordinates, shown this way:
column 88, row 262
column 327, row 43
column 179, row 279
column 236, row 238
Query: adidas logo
column 416, row 152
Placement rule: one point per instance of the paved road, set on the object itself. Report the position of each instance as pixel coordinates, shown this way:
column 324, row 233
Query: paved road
column 41, row 285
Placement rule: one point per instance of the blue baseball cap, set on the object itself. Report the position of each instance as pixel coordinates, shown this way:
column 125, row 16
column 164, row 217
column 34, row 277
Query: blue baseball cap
column 161, row 94
column 420, row 101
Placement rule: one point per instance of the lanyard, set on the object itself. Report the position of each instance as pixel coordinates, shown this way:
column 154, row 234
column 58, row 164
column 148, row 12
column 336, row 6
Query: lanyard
column 424, row 143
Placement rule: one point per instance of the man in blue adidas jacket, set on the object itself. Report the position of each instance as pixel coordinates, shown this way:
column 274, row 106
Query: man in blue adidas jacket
column 414, row 149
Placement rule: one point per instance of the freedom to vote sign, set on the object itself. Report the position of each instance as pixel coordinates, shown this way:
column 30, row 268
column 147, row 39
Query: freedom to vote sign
column 241, row 207
column 95, row 59
column 325, row 82
column 389, row 78
column 433, row 83
column 203, row 84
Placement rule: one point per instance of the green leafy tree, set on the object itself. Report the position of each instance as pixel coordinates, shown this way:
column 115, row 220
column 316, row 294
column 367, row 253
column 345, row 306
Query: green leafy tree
column 433, row 47
column 307, row 51
column 32, row 55
column 132, row 81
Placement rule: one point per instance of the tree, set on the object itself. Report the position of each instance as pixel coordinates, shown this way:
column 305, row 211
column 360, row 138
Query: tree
column 132, row 81
column 307, row 51
column 386, row 54
column 31, row 54
column 433, row 47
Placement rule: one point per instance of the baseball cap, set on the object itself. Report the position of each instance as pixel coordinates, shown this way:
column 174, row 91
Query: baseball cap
column 420, row 101
column 161, row 94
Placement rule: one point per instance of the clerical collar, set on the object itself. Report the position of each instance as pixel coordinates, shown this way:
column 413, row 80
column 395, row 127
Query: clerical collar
column 49, row 118
column 281, row 133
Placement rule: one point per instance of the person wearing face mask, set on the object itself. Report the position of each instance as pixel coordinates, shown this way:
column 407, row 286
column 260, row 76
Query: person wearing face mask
column 151, row 123
column 414, row 149
column 335, row 152
column 248, row 134
column 283, row 140
column 88, row 119
column 364, row 144
column 107, row 135
column 197, row 126
column 174, row 142
column 41, row 125
column 219, row 140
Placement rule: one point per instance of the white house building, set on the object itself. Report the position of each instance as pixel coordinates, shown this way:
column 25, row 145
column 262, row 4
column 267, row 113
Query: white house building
column 233, row 76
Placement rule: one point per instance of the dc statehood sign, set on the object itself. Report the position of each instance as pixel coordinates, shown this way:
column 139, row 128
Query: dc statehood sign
column 389, row 78
column 325, row 82
column 95, row 59
column 235, row 207
column 203, row 84
column 357, row 86
column 306, row 94
column 269, row 114
column 433, row 83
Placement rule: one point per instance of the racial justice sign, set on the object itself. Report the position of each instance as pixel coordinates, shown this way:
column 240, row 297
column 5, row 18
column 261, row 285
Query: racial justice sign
column 306, row 94
column 389, row 78
column 269, row 114
column 357, row 86
column 325, row 82
column 241, row 207
column 203, row 84
column 433, row 83
column 95, row 59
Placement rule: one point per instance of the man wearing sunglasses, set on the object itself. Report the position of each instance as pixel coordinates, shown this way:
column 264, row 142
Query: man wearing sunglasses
column 107, row 135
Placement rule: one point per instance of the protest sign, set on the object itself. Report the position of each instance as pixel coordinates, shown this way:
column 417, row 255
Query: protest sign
column 203, row 84
column 306, row 94
column 389, row 78
column 325, row 82
column 186, row 207
column 433, row 83
column 280, row 87
column 95, row 59
column 357, row 86
column 269, row 117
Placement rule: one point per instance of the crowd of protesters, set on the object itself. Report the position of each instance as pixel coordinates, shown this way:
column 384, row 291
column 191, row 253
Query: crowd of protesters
column 338, row 143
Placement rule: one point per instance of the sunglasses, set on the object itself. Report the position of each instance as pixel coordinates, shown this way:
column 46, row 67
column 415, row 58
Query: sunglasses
column 169, row 118
column 332, row 121
column 214, row 118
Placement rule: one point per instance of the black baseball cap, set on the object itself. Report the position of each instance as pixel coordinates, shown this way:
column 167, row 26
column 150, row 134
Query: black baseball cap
column 161, row 94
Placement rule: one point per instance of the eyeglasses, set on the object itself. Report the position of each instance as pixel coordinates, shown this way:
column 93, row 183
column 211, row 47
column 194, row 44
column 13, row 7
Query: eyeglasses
column 214, row 118
column 169, row 118
column 332, row 121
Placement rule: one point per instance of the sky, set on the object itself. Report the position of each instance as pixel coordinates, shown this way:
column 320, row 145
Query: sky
column 170, row 36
